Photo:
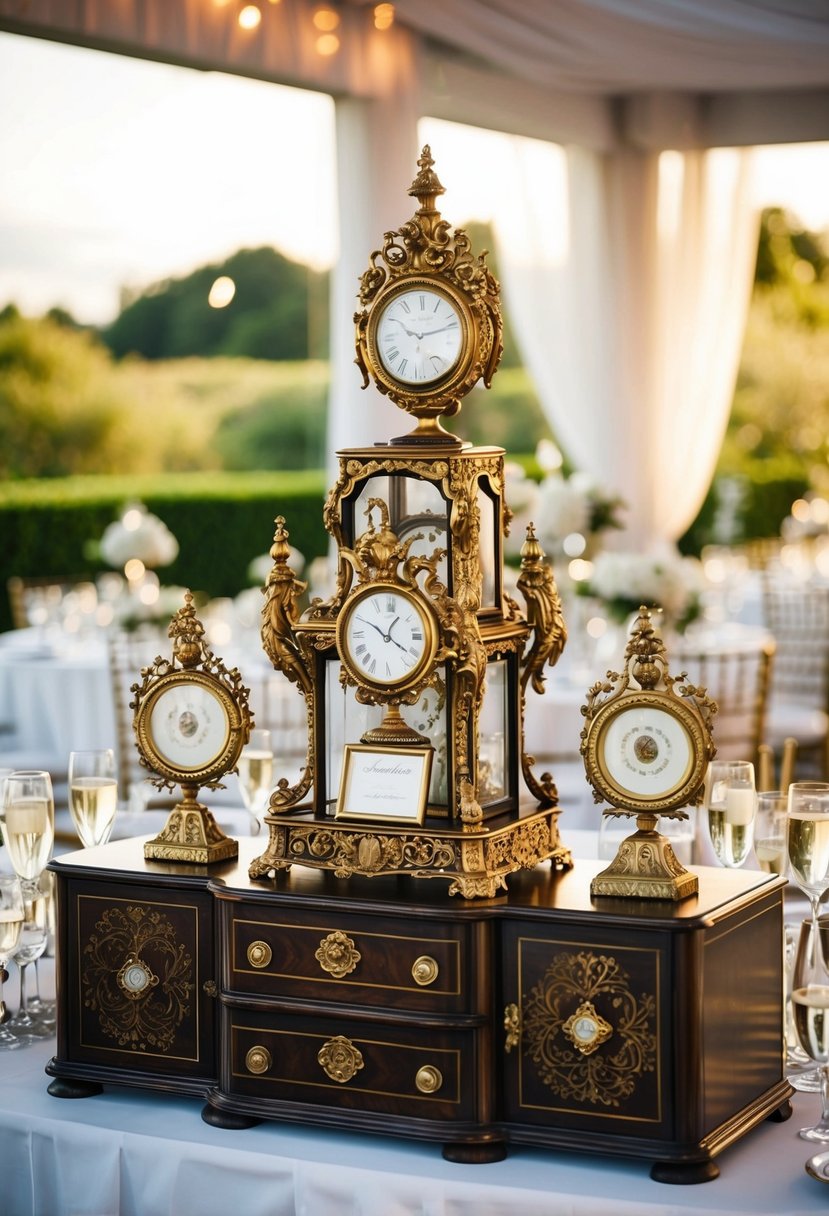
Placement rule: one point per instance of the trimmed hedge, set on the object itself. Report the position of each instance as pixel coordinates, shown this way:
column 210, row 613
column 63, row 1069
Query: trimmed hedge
column 221, row 521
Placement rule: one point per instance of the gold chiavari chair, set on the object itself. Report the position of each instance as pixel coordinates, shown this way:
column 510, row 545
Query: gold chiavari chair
column 797, row 616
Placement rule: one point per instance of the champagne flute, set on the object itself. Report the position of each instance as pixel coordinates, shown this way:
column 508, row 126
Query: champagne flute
column 11, row 923
column 256, row 772
column 25, row 1026
column 732, row 806
column 810, row 1003
column 93, row 794
column 770, row 832
column 29, row 824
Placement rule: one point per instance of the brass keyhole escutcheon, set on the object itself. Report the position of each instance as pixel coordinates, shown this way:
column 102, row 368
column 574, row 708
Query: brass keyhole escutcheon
column 259, row 954
column 135, row 979
column 512, row 1025
column 429, row 1079
column 337, row 954
column 258, row 1060
column 340, row 1059
column 425, row 970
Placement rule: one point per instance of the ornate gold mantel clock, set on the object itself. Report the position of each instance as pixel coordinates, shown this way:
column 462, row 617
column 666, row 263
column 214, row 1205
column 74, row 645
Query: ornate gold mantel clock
column 415, row 671
column 646, row 746
column 191, row 721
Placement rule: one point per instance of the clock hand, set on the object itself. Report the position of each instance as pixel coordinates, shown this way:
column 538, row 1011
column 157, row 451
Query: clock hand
column 363, row 621
column 389, row 638
column 441, row 328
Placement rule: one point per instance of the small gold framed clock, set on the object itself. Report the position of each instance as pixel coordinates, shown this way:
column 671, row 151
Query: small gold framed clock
column 191, row 720
column 387, row 636
column 646, row 745
column 419, row 335
column 189, row 727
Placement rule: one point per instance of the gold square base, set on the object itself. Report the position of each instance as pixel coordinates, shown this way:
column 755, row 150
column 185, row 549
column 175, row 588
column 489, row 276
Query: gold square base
column 645, row 867
column 191, row 834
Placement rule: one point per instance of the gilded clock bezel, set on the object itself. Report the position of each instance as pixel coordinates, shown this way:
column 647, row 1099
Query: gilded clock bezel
column 224, row 759
column 458, row 373
column 682, row 791
column 431, row 639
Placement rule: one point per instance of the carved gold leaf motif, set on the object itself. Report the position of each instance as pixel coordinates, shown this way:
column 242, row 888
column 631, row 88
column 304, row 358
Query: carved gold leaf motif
column 581, row 1055
column 340, row 1059
column 337, row 954
column 139, row 1005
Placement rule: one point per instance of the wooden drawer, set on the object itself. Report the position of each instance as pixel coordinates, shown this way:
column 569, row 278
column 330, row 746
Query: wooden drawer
column 425, row 1073
column 350, row 959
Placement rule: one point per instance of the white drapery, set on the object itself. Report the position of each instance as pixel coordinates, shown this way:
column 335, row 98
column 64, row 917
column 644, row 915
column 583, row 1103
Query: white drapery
column 627, row 277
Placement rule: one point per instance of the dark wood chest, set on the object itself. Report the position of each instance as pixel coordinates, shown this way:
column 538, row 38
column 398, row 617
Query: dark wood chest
column 545, row 1016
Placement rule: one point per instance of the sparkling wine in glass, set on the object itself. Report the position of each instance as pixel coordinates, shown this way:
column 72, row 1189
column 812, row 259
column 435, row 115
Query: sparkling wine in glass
column 29, row 822
column 93, row 794
column 11, row 924
column 256, row 772
column 807, row 848
column 810, row 1005
column 26, row 1026
column 770, row 832
column 732, row 806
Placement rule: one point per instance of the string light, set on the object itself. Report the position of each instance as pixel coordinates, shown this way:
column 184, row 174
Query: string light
column 326, row 19
column 383, row 16
column 250, row 16
column 222, row 292
column 328, row 44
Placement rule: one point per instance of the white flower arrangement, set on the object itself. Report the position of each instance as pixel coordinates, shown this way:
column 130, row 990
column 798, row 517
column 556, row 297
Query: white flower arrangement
column 625, row 581
column 140, row 536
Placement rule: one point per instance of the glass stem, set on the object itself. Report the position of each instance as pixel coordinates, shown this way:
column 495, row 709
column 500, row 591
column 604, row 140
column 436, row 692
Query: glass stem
column 23, row 1011
column 823, row 1123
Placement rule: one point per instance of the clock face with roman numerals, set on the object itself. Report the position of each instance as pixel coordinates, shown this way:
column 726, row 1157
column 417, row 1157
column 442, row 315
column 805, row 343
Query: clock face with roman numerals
column 386, row 636
column 419, row 336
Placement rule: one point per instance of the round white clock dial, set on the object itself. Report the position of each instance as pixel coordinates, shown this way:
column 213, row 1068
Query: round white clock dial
column 647, row 751
column 189, row 726
column 419, row 336
column 387, row 637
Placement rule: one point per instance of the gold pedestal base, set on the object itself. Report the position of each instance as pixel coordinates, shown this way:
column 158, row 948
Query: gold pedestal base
column 475, row 859
column 645, row 867
column 191, row 834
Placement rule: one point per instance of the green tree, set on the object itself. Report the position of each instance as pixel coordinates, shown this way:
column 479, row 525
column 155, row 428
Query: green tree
column 267, row 318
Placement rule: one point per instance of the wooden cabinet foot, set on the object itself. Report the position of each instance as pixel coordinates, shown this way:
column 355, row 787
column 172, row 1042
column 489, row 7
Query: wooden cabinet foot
column 684, row 1173
column 227, row 1119
column 476, row 1154
column 64, row 1087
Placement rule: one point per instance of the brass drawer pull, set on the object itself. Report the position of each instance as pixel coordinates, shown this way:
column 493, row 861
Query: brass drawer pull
column 425, row 970
column 429, row 1079
column 259, row 954
column 258, row 1060
column 512, row 1025
column 337, row 954
column 340, row 1059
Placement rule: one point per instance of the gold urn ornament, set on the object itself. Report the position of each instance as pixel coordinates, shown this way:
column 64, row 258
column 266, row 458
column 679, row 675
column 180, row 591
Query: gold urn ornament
column 415, row 671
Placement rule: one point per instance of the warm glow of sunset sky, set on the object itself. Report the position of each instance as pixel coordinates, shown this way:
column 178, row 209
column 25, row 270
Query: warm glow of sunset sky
column 118, row 171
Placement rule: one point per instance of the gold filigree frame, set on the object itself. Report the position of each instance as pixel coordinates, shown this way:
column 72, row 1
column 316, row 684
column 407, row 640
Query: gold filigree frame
column 191, row 833
column 657, row 706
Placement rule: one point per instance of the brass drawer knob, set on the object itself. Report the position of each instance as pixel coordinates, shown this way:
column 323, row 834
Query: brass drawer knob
column 429, row 1079
column 340, row 1059
column 424, row 970
column 337, row 954
column 259, row 954
column 258, row 1060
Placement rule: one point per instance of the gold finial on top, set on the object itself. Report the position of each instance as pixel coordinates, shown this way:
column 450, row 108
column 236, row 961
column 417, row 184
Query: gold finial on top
column 187, row 633
column 426, row 186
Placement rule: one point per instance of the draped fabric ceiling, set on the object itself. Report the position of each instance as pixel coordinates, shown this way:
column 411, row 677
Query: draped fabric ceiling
column 628, row 273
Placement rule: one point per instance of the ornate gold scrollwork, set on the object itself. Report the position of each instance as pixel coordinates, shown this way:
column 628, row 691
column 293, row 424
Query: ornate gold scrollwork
column 429, row 1079
column 337, row 954
column 258, row 1060
column 340, row 1059
column 561, row 1007
column 512, row 1025
column 141, row 1008
column 259, row 954
column 425, row 970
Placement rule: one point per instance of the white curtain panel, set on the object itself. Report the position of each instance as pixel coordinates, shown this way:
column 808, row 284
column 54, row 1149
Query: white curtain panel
column 627, row 277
